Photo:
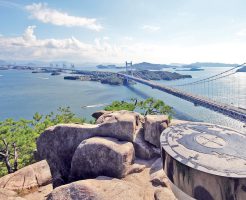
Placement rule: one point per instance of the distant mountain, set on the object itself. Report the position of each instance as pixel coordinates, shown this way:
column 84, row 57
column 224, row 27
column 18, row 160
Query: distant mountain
column 208, row 64
column 150, row 66
column 108, row 67
column 138, row 66
column 242, row 69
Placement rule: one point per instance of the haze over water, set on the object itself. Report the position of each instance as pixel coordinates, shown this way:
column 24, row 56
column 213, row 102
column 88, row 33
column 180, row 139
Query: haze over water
column 23, row 93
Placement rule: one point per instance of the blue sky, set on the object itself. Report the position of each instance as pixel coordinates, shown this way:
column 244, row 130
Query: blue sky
column 112, row 31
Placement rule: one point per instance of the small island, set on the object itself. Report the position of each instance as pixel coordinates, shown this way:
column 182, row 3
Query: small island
column 113, row 79
column 193, row 69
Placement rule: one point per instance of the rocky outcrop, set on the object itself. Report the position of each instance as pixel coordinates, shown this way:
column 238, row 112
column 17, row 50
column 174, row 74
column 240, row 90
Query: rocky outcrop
column 28, row 178
column 153, row 127
column 101, row 156
column 58, row 143
column 122, row 145
column 101, row 188
column 143, row 149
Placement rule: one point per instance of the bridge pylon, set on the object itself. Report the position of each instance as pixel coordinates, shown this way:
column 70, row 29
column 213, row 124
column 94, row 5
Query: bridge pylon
column 129, row 71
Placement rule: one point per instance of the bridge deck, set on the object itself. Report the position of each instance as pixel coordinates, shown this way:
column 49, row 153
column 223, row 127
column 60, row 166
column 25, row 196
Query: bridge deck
column 226, row 109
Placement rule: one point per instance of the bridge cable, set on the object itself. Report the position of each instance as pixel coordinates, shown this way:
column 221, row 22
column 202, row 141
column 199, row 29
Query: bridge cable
column 202, row 80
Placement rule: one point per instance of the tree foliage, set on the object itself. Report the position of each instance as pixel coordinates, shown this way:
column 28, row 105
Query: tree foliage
column 149, row 106
column 120, row 105
column 22, row 135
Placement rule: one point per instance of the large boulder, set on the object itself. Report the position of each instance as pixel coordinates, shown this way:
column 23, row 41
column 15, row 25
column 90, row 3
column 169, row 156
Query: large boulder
column 99, row 156
column 58, row 143
column 28, row 178
column 101, row 188
column 153, row 127
column 143, row 149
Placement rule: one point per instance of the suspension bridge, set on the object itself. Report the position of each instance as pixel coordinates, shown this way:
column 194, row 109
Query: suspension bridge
column 210, row 98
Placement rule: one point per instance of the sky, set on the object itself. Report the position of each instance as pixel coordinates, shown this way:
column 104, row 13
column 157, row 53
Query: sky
column 115, row 31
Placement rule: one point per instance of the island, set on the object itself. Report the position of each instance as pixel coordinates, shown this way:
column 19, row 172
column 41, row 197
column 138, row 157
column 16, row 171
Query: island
column 138, row 66
column 192, row 69
column 48, row 70
column 113, row 79
column 3, row 68
column 108, row 67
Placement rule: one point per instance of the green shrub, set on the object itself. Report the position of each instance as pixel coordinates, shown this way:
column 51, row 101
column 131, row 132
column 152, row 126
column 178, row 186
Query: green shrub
column 24, row 133
column 149, row 106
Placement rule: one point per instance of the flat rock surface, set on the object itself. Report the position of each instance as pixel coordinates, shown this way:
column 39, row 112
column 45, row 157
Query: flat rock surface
column 102, row 188
column 164, row 194
column 40, row 194
column 9, row 195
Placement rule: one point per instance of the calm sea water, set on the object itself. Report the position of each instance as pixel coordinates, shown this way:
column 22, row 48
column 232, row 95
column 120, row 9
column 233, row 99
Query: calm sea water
column 23, row 93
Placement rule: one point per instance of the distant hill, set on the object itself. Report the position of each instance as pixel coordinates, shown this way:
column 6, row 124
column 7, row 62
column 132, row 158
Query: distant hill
column 138, row 66
column 242, row 69
column 108, row 67
column 208, row 64
column 150, row 66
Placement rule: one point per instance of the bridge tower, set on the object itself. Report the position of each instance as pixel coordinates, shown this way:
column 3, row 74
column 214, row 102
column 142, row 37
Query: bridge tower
column 128, row 72
column 129, row 68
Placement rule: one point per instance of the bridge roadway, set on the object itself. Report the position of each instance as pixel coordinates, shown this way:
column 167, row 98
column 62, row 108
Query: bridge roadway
column 226, row 109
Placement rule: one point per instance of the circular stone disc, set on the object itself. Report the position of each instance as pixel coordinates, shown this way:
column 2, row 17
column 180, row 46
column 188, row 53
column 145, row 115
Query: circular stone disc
column 207, row 147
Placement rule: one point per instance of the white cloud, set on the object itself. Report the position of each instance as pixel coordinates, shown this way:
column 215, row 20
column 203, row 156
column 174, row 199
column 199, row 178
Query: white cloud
column 151, row 28
column 30, row 47
column 28, row 35
column 241, row 32
column 43, row 13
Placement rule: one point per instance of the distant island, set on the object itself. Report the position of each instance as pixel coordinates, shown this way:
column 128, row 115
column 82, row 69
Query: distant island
column 190, row 69
column 108, row 67
column 3, row 68
column 138, row 66
column 52, row 72
column 113, row 79
column 210, row 64
column 197, row 66
column 242, row 69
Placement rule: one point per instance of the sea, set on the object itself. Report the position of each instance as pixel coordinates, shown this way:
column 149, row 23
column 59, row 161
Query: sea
column 23, row 93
